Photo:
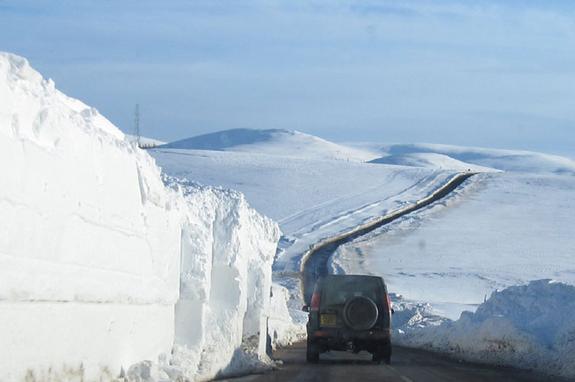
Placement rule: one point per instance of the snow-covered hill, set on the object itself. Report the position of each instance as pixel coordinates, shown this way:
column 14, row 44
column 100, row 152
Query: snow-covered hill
column 430, row 160
column 272, row 142
column 481, row 159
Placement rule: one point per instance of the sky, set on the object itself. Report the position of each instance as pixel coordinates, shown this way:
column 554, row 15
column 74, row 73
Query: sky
column 479, row 73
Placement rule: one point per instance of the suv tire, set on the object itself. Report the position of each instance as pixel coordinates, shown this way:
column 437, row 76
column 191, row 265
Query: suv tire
column 382, row 353
column 312, row 352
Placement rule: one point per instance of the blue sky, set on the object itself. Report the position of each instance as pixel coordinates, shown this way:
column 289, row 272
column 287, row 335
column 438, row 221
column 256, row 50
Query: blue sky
column 485, row 73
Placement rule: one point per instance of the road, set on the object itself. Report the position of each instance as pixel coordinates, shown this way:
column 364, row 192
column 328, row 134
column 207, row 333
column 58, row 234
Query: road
column 408, row 365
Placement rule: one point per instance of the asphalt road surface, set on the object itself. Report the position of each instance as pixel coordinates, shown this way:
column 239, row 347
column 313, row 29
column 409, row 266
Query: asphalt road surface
column 407, row 365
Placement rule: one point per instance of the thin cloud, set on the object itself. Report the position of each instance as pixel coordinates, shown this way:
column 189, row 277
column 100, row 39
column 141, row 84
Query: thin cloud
column 341, row 69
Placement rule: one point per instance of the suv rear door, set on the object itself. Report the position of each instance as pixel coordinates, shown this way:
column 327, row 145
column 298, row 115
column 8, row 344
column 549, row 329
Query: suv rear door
column 336, row 290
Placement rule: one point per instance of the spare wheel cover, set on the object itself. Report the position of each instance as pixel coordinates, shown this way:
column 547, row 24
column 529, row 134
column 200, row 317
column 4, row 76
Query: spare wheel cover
column 360, row 313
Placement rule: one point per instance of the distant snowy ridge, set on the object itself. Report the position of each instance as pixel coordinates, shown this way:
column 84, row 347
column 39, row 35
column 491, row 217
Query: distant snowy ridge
column 431, row 160
column 479, row 159
column 102, row 266
column 273, row 142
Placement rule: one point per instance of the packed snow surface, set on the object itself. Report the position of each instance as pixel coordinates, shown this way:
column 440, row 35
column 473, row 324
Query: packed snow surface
column 102, row 267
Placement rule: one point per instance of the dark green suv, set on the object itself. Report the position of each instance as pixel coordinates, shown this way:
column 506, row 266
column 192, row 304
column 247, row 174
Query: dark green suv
column 349, row 312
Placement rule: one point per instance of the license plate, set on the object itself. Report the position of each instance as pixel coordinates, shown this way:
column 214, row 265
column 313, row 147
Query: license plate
column 327, row 320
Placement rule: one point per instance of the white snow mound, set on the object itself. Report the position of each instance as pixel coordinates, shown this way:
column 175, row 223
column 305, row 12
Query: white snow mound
column 529, row 326
column 102, row 266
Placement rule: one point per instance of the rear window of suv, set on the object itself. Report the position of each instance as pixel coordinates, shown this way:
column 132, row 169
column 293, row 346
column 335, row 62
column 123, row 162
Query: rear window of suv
column 337, row 290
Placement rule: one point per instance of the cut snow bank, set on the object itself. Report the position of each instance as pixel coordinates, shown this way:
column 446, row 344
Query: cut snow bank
column 102, row 266
column 227, row 253
column 529, row 326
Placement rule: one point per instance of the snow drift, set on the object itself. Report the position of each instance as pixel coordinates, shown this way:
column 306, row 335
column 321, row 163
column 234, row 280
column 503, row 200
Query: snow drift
column 102, row 266
column 529, row 326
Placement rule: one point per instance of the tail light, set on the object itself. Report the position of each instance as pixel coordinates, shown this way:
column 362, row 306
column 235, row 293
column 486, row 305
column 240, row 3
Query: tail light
column 388, row 303
column 315, row 300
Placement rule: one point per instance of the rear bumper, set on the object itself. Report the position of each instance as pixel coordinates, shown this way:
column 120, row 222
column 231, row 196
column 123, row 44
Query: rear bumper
column 345, row 335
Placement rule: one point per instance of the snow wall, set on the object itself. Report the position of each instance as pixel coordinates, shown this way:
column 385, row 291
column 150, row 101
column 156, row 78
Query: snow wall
column 102, row 266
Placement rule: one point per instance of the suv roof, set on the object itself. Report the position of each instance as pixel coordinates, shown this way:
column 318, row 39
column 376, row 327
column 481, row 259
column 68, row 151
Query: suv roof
column 327, row 277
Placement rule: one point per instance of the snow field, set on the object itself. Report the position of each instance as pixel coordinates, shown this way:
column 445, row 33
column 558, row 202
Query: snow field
column 500, row 230
column 312, row 199
column 102, row 266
